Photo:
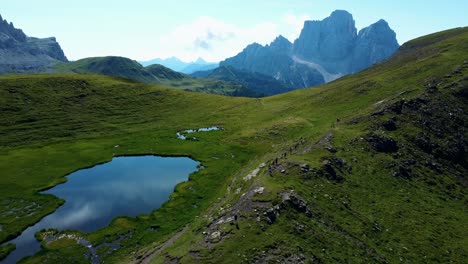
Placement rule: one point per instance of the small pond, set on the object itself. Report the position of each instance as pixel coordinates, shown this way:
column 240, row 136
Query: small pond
column 125, row 186
column 183, row 135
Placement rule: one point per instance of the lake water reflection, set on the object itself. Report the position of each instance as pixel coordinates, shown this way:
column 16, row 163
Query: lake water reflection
column 126, row 186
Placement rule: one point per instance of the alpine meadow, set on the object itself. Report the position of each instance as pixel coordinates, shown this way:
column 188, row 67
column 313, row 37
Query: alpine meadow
column 339, row 147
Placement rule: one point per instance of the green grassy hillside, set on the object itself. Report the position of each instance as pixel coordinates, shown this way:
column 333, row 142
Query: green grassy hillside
column 153, row 74
column 110, row 66
column 370, row 168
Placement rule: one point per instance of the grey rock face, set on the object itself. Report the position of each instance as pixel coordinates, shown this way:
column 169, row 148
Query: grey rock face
column 329, row 42
column 275, row 60
column 20, row 53
column 334, row 43
column 46, row 46
column 324, row 51
column 281, row 45
column 10, row 30
column 374, row 43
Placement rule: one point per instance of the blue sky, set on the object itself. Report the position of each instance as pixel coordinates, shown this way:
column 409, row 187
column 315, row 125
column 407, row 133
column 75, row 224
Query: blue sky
column 214, row 30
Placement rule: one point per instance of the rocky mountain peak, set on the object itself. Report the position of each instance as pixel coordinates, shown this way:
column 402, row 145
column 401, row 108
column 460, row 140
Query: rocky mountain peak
column 253, row 46
column 382, row 22
column 340, row 22
column 374, row 43
column 341, row 13
column 340, row 16
column 10, row 30
column 324, row 51
column 280, row 40
column 328, row 40
column 281, row 45
column 380, row 31
column 20, row 53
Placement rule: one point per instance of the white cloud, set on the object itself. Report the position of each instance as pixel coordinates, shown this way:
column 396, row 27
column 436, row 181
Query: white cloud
column 212, row 39
column 295, row 23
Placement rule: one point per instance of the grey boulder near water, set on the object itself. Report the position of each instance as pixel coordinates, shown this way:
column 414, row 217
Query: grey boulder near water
column 126, row 186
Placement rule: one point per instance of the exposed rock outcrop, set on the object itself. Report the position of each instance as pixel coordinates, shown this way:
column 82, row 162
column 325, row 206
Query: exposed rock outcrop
column 374, row 43
column 335, row 44
column 382, row 144
column 275, row 60
column 20, row 53
column 329, row 42
column 324, row 51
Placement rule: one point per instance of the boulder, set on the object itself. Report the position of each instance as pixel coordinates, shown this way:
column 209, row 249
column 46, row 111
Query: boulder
column 382, row 144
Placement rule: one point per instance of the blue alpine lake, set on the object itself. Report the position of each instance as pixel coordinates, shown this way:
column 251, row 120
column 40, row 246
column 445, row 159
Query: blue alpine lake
column 125, row 186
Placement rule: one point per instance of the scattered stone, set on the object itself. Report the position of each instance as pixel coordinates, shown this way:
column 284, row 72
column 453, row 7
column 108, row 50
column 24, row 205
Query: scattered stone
column 220, row 222
column 299, row 228
column 296, row 202
column 331, row 149
column 288, row 200
column 259, row 190
column 376, row 227
column 431, row 89
column 329, row 172
column 424, row 142
column 215, row 235
column 383, row 144
column 403, row 172
column 272, row 213
column 255, row 172
column 397, row 107
column 389, row 125
column 304, row 167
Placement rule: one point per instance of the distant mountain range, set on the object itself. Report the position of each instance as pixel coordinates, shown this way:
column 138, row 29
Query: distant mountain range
column 152, row 74
column 20, row 53
column 324, row 51
column 176, row 64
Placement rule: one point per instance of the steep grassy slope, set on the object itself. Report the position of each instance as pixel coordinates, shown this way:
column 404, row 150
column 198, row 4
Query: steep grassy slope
column 369, row 168
column 385, row 182
column 153, row 74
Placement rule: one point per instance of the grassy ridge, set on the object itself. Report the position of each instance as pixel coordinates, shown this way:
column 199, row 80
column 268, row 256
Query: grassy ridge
column 373, row 216
column 153, row 74
column 53, row 125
